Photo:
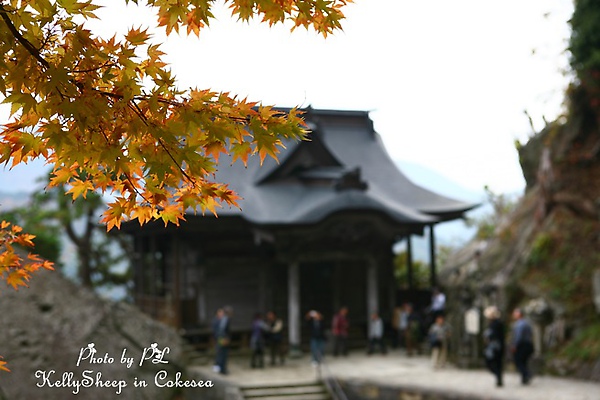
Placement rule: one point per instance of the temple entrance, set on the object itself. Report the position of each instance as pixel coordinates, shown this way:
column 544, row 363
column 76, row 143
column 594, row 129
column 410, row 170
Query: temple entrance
column 328, row 285
column 317, row 288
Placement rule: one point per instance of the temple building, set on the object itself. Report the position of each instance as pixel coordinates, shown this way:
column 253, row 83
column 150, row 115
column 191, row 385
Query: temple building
column 315, row 230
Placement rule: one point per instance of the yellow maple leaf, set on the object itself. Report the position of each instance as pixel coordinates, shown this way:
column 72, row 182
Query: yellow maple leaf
column 171, row 213
column 80, row 188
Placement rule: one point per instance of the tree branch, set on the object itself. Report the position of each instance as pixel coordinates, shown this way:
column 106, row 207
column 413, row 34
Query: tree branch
column 26, row 43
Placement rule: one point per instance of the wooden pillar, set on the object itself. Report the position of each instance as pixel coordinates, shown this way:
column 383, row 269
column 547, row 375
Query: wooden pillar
column 154, row 269
column 203, row 317
column 262, row 288
column 138, row 270
column 432, row 266
column 372, row 287
column 392, row 281
column 177, row 281
column 409, row 264
column 294, row 318
column 337, row 283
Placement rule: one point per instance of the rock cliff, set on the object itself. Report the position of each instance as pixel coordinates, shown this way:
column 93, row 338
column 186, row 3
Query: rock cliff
column 544, row 256
column 54, row 324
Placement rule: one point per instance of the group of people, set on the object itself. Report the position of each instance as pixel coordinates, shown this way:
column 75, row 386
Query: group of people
column 521, row 345
column 495, row 338
column 339, row 330
column 407, row 326
column 267, row 333
column 521, row 348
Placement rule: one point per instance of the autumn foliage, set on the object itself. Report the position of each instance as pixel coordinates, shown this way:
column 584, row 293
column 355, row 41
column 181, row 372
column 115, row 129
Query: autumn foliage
column 107, row 115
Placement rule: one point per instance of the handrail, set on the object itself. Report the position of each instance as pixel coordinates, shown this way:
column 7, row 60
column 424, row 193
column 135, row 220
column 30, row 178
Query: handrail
column 332, row 384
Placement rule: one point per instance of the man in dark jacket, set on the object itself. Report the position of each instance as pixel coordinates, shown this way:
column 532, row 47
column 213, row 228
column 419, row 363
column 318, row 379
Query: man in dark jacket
column 522, row 345
column 275, row 337
column 317, row 336
column 222, row 333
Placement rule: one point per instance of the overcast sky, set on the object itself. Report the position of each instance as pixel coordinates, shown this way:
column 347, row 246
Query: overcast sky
column 447, row 82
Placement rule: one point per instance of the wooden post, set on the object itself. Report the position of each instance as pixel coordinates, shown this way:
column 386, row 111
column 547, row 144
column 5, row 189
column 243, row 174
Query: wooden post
column 177, row 281
column 294, row 318
column 201, row 294
column 337, row 282
column 372, row 288
column 154, row 276
column 262, row 288
column 432, row 266
column 409, row 264
column 138, row 271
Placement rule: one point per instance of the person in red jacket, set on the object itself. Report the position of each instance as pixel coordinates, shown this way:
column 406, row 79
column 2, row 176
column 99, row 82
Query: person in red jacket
column 339, row 329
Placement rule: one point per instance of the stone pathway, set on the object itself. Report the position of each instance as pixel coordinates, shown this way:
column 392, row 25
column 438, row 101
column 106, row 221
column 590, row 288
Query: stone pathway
column 396, row 370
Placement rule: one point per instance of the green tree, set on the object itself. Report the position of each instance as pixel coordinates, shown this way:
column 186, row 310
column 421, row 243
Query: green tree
column 100, row 255
column 584, row 46
column 420, row 272
column 34, row 218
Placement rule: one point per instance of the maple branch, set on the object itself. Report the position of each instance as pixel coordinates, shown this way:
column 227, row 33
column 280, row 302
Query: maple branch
column 26, row 43
column 185, row 174
column 105, row 65
column 127, row 177
column 136, row 109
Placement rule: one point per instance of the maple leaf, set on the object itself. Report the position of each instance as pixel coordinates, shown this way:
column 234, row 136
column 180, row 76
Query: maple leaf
column 113, row 216
column 137, row 36
column 17, row 278
column 3, row 366
column 13, row 269
column 143, row 214
column 80, row 188
column 171, row 213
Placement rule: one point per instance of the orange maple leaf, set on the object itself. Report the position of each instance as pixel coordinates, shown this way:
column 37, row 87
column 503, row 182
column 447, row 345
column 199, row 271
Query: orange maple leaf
column 3, row 366
column 17, row 278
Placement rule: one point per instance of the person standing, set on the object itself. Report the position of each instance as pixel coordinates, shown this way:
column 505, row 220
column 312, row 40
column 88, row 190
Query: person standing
column 397, row 340
column 257, row 341
column 439, row 333
column 216, row 326
column 407, row 326
column 522, row 345
column 317, row 336
column 494, row 339
column 438, row 303
column 339, row 328
column 275, row 337
column 376, row 332
column 223, row 338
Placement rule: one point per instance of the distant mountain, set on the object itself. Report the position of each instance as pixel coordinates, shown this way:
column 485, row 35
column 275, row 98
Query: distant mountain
column 12, row 200
column 453, row 233
column 23, row 177
column 436, row 182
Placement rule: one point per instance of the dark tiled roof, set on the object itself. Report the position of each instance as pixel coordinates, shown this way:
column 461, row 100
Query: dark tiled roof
column 345, row 167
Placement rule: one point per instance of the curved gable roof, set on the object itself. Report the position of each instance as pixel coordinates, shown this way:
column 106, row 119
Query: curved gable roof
column 306, row 185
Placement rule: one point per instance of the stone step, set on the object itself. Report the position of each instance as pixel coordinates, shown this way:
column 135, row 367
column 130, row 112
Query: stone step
column 302, row 391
